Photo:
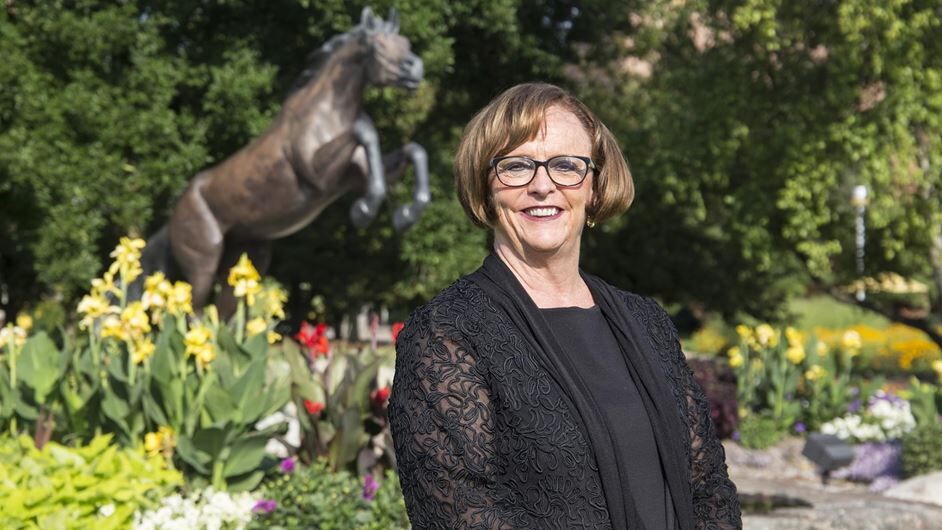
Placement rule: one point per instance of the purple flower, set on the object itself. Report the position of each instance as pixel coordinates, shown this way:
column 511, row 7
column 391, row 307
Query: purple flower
column 287, row 465
column 264, row 506
column 799, row 427
column 854, row 391
column 735, row 435
column 854, row 406
column 369, row 487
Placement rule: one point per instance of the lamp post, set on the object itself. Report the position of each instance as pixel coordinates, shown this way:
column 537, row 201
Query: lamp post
column 859, row 200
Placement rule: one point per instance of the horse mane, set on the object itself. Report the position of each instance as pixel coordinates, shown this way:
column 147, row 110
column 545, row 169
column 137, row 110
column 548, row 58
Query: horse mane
column 319, row 57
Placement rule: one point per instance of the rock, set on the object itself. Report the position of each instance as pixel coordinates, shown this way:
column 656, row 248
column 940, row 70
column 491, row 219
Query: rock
column 924, row 488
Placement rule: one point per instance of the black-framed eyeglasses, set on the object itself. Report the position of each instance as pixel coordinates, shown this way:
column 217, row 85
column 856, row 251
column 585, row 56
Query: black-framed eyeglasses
column 564, row 170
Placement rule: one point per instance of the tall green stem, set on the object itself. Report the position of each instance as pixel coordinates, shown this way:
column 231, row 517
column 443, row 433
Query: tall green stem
column 240, row 321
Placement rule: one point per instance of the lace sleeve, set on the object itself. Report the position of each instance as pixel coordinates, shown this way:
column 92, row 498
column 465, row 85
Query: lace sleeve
column 715, row 503
column 443, row 431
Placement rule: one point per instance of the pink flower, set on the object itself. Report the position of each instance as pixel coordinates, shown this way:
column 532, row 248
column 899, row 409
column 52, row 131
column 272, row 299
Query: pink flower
column 369, row 487
column 265, row 506
column 287, row 465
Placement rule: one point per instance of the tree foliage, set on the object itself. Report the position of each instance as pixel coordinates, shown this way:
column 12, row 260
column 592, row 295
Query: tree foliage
column 758, row 119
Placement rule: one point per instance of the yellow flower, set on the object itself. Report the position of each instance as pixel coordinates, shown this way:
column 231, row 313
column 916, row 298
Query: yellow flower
column 767, row 335
column 822, row 348
column 937, row 366
column 152, row 443
column 135, row 319
column 160, row 442
column 127, row 257
column 198, row 344
column 744, row 332
column 105, row 284
column 273, row 337
column 14, row 335
column 735, row 357
column 795, row 354
column 180, row 299
column 111, row 327
column 757, row 365
column 851, row 340
column 24, row 321
column 256, row 326
column 743, row 412
column 794, row 337
column 815, row 372
column 245, row 279
column 93, row 306
column 157, row 291
column 142, row 350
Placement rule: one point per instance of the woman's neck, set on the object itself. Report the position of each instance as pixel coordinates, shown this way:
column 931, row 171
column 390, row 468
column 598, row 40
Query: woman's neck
column 551, row 280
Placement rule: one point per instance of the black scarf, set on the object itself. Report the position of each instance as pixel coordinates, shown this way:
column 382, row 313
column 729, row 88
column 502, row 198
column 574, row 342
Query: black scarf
column 501, row 286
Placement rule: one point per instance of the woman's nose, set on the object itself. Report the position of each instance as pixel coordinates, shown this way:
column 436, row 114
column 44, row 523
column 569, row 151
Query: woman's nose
column 541, row 184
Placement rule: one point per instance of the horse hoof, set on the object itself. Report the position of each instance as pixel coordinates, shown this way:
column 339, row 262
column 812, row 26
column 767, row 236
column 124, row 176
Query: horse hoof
column 361, row 214
column 403, row 218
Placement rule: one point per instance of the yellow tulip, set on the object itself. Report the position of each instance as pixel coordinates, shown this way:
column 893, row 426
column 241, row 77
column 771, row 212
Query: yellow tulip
column 273, row 337
column 822, row 349
column 815, row 372
column 735, row 357
column 767, row 335
column 795, row 354
column 794, row 337
column 152, row 443
column 851, row 340
column 245, row 280
column 180, row 299
column 111, row 327
column 135, row 319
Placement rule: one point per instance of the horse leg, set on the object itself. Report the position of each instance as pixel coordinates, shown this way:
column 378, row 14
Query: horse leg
column 196, row 241
column 406, row 215
column 364, row 209
column 259, row 253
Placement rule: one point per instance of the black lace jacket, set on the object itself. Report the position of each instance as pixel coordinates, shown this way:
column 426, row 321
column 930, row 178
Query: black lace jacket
column 484, row 439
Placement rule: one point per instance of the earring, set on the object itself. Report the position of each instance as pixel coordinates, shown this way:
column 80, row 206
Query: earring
column 589, row 222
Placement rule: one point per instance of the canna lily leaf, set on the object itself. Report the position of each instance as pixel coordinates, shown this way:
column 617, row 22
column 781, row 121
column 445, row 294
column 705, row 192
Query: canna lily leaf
column 38, row 365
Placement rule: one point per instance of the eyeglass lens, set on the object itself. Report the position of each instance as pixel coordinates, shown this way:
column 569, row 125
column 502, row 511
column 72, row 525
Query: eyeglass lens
column 563, row 170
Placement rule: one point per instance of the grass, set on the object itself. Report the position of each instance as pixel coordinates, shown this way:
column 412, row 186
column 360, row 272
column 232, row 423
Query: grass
column 825, row 312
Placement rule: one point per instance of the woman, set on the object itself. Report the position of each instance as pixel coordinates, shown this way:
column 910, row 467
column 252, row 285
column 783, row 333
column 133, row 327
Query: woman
column 532, row 395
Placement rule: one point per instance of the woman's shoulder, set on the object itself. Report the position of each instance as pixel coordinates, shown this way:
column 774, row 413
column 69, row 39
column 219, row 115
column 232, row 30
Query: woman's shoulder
column 458, row 306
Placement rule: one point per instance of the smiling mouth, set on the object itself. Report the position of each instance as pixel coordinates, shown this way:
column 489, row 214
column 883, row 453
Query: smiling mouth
column 542, row 212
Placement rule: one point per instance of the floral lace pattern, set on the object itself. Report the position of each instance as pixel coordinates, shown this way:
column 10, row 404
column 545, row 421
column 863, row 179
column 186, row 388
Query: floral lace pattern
column 485, row 440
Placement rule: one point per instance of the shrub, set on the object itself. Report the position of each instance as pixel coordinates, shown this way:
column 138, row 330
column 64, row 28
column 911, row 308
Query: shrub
column 719, row 384
column 922, row 450
column 96, row 486
column 760, row 431
column 314, row 497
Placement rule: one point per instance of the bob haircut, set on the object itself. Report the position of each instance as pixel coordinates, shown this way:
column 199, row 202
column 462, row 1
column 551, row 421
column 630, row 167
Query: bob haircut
column 512, row 119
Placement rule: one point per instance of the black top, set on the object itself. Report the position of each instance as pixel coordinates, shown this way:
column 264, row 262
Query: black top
column 586, row 336
column 493, row 430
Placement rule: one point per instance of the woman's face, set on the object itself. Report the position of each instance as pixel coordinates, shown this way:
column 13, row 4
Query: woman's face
column 541, row 218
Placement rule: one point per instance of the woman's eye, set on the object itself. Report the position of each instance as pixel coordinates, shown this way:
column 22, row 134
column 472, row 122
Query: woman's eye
column 516, row 166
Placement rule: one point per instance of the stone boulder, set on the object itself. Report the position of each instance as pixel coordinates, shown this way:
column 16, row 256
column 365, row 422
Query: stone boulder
column 924, row 488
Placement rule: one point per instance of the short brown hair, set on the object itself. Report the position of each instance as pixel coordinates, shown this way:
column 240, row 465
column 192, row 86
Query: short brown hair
column 515, row 117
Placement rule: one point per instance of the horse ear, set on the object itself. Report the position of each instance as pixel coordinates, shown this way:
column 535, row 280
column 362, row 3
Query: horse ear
column 393, row 20
column 367, row 20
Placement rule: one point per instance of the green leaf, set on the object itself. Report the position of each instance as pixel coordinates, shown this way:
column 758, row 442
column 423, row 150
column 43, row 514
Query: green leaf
column 38, row 365
column 188, row 452
column 247, row 482
column 116, row 409
column 246, row 455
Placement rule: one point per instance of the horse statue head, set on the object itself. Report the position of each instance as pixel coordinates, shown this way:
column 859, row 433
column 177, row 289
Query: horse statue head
column 392, row 62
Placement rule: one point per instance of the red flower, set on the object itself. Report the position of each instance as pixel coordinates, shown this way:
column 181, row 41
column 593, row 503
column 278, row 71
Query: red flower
column 379, row 396
column 314, row 339
column 396, row 328
column 313, row 407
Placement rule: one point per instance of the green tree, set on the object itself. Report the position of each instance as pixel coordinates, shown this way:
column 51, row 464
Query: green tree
column 757, row 120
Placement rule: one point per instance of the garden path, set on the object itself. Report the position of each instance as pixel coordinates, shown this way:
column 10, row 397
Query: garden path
column 781, row 471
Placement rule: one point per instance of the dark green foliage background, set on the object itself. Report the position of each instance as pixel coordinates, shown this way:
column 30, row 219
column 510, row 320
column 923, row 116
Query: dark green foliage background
column 744, row 151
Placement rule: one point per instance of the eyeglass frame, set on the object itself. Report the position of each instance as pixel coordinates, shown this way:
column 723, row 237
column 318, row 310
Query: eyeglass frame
column 545, row 164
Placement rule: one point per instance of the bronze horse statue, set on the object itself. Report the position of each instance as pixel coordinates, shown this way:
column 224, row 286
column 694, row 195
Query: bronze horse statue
column 320, row 146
